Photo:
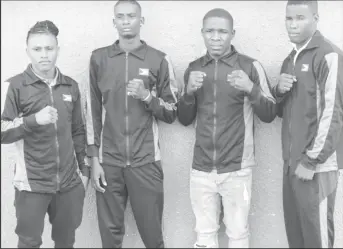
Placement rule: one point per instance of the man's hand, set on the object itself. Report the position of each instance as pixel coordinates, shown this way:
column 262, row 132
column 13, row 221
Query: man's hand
column 48, row 115
column 85, row 181
column 195, row 81
column 285, row 83
column 303, row 173
column 98, row 175
column 240, row 80
column 136, row 89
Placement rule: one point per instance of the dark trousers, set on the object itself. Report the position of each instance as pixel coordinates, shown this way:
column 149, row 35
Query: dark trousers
column 65, row 215
column 144, row 186
column 309, row 210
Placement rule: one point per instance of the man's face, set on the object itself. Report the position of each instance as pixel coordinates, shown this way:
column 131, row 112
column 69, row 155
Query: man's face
column 301, row 22
column 217, row 33
column 127, row 20
column 42, row 50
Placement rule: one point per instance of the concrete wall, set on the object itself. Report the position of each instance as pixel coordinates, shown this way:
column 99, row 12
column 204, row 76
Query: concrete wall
column 173, row 27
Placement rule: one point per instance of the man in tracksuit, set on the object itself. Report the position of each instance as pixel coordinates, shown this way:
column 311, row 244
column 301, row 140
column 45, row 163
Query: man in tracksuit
column 310, row 97
column 223, row 90
column 42, row 116
column 131, row 87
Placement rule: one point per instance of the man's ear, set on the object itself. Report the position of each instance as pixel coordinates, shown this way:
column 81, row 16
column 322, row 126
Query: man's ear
column 316, row 17
column 233, row 33
column 142, row 20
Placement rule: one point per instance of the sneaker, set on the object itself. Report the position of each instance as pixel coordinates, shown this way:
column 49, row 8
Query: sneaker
column 204, row 246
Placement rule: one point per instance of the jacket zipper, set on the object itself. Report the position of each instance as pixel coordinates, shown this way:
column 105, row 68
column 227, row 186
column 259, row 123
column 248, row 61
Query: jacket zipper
column 215, row 113
column 56, row 142
column 127, row 110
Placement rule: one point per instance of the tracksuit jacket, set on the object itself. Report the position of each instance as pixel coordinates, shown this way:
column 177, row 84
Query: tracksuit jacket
column 312, row 128
column 122, row 130
column 50, row 157
column 224, row 115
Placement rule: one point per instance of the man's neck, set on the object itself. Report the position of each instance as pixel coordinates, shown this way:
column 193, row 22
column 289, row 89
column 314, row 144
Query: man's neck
column 129, row 45
column 223, row 55
column 299, row 46
column 45, row 75
column 305, row 43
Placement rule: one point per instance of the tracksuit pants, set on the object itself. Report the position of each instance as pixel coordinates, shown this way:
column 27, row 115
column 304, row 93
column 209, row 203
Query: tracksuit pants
column 65, row 215
column 309, row 210
column 143, row 185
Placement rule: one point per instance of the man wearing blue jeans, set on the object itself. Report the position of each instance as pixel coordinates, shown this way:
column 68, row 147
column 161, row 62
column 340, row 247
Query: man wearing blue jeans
column 223, row 90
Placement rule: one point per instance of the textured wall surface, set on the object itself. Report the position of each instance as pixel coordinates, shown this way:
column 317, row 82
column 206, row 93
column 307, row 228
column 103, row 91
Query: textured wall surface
column 173, row 27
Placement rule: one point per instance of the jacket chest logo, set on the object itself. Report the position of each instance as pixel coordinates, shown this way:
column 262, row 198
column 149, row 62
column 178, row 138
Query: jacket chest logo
column 143, row 71
column 304, row 68
column 67, row 97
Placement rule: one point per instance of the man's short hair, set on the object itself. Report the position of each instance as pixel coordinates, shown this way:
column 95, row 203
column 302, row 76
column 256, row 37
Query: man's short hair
column 134, row 2
column 43, row 27
column 312, row 5
column 218, row 12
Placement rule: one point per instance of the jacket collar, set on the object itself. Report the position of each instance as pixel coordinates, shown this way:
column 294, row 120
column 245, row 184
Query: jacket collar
column 31, row 77
column 139, row 52
column 315, row 42
column 228, row 59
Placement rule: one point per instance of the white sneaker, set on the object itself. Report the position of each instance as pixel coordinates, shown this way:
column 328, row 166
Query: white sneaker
column 204, row 246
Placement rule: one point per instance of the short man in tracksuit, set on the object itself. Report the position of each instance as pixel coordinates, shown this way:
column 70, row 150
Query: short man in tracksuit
column 131, row 87
column 223, row 90
column 42, row 116
column 310, row 97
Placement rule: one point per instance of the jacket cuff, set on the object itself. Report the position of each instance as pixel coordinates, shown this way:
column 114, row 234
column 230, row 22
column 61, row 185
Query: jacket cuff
column 188, row 99
column 255, row 93
column 93, row 151
column 86, row 171
column 278, row 97
column 30, row 122
column 309, row 163
column 150, row 105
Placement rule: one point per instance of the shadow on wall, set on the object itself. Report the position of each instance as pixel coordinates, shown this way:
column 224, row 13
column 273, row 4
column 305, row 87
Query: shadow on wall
column 176, row 141
column 266, row 214
column 260, row 34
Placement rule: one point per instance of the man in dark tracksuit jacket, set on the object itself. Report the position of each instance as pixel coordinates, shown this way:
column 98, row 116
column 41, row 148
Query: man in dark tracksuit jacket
column 223, row 90
column 310, row 97
column 130, row 89
column 42, row 116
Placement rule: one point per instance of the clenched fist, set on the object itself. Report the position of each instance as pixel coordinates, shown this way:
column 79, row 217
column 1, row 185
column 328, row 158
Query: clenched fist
column 195, row 81
column 136, row 89
column 48, row 115
column 285, row 83
column 240, row 80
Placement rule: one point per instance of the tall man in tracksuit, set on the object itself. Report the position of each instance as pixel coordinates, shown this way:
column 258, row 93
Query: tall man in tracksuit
column 131, row 87
column 223, row 90
column 310, row 95
column 42, row 116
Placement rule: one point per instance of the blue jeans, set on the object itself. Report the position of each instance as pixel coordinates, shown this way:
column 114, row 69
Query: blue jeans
column 234, row 188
